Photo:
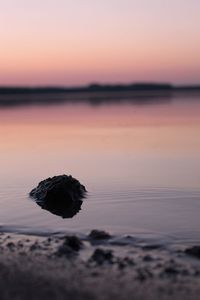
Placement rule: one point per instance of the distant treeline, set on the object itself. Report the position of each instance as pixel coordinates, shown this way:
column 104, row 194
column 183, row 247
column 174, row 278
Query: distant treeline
column 143, row 87
column 94, row 94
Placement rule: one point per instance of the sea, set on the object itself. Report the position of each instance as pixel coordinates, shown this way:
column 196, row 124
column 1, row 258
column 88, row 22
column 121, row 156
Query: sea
column 137, row 156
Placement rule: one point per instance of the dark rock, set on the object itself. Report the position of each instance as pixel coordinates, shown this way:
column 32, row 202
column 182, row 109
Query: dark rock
column 61, row 195
column 197, row 273
column 121, row 265
column 65, row 251
column 171, row 270
column 147, row 258
column 129, row 261
column 151, row 247
column 73, row 242
column 99, row 235
column 70, row 246
column 11, row 245
column 35, row 246
column 20, row 244
column 193, row 251
column 101, row 256
column 125, row 262
column 143, row 274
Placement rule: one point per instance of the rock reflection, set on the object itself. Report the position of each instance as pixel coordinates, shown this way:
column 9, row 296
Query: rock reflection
column 61, row 195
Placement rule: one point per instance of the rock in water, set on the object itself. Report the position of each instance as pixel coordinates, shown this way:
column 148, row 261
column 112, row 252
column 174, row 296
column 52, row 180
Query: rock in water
column 61, row 195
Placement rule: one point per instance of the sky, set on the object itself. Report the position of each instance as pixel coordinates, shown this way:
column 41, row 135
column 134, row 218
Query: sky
column 77, row 42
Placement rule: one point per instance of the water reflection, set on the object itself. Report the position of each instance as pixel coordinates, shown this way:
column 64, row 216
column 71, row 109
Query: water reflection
column 92, row 98
column 61, row 209
column 141, row 164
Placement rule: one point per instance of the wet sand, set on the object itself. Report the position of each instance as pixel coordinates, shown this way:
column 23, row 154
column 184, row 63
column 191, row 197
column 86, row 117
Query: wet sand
column 96, row 266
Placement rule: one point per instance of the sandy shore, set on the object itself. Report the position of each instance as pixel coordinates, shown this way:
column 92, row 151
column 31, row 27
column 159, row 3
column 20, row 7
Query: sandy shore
column 97, row 266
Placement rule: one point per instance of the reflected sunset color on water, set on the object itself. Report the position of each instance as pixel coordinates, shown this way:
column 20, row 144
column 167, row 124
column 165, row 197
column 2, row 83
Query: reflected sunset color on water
column 140, row 164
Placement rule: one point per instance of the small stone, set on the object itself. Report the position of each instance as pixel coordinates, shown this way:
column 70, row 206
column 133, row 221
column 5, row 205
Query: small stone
column 65, row 251
column 70, row 246
column 171, row 271
column 141, row 275
column 99, row 235
column 10, row 245
column 73, row 242
column 121, row 265
column 129, row 261
column 193, row 251
column 101, row 256
column 35, row 246
column 20, row 244
column 151, row 247
column 147, row 258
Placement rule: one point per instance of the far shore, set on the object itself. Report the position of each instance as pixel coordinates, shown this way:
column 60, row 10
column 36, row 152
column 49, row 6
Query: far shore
column 95, row 94
column 97, row 87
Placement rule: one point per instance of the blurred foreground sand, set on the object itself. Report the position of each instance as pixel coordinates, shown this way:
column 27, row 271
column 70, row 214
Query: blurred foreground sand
column 63, row 267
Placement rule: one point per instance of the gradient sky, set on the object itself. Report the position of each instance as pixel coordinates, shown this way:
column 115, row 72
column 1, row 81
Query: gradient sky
column 70, row 42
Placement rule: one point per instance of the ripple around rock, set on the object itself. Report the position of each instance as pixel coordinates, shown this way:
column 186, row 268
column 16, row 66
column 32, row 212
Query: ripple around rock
column 61, row 195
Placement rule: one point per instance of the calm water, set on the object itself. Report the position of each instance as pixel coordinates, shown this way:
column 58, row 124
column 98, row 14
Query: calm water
column 139, row 162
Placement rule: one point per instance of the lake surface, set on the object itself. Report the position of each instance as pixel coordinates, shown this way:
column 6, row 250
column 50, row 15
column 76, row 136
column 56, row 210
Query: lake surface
column 140, row 163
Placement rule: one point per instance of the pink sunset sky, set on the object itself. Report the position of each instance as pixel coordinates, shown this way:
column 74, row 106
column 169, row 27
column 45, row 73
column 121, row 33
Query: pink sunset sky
column 73, row 42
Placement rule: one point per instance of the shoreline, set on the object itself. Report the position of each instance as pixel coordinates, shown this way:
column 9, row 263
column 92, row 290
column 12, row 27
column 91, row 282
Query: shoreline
column 13, row 97
column 95, row 268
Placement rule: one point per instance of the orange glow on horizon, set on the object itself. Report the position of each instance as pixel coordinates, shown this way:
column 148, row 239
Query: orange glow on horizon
column 83, row 42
